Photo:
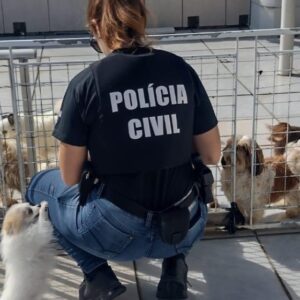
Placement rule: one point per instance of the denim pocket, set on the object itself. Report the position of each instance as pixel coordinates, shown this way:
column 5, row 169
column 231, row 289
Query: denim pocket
column 195, row 232
column 102, row 236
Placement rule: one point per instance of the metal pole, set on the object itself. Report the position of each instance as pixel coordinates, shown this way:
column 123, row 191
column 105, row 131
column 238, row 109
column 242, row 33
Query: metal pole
column 288, row 12
column 254, row 125
column 233, row 171
column 28, row 117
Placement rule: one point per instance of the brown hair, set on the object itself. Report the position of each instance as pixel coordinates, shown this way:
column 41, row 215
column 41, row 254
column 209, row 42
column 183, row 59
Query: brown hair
column 121, row 22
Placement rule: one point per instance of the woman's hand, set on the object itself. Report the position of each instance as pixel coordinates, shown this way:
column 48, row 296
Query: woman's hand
column 71, row 160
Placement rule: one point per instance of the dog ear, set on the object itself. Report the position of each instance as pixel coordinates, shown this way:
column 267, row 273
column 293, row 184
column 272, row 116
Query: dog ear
column 8, row 228
column 224, row 150
column 12, row 225
column 259, row 158
column 11, row 119
column 223, row 162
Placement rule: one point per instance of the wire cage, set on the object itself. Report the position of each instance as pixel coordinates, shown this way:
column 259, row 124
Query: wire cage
column 239, row 71
column 276, row 120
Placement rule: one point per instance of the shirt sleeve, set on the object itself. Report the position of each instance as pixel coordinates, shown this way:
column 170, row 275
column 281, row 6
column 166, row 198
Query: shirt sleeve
column 204, row 115
column 70, row 127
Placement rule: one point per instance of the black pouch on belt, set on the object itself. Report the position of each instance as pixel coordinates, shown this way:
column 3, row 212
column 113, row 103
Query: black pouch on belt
column 204, row 179
column 174, row 225
column 87, row 182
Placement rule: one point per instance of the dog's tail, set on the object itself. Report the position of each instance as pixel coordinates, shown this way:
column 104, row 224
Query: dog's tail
column 293, row 157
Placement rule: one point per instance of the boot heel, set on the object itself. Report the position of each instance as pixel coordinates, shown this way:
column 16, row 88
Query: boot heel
column 173, row 281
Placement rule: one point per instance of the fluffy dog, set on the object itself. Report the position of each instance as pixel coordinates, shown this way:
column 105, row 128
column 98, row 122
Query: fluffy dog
column 11, row 173
column 26, row 251
column 272, row 180
column 45, row 144
column 282, row 134
column 286, row 186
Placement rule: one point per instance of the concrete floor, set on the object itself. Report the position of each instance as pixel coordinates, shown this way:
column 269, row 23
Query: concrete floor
column 245, row 267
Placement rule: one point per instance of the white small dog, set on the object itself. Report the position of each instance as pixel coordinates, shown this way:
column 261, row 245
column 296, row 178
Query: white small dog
column 26, row 251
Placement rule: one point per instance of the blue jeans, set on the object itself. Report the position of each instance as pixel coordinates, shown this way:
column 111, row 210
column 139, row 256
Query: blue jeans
column 99, row 230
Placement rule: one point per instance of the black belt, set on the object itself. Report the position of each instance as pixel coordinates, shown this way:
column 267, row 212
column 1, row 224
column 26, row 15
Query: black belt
column 140, row 211
column 173, row 222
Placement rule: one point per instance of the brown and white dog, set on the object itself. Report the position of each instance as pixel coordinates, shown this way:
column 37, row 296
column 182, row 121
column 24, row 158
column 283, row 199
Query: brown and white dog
column 46, row 150
column 282, row 134
column 11, row 180
column 272, row 180
column 45, row 143
column 26, row 250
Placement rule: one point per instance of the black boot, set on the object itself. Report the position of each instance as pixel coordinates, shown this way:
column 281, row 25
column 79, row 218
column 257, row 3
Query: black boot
column 104, row 286
column 173, row 280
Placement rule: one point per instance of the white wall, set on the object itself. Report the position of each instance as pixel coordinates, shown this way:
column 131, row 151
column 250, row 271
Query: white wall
column 67, row 15
column 33, row 12
column 165, row 13
column 210, row 12
column 267, row 14
column 234, row 9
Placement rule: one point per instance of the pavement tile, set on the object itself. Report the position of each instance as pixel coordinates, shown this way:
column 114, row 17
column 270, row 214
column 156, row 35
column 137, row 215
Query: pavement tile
column 221, row 269
column 284, row 252
column 66, row 278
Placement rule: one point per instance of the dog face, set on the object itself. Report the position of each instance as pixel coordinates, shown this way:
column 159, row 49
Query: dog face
column 281, row 134
column 20, row 217
column 7, row 126
column 243, row 155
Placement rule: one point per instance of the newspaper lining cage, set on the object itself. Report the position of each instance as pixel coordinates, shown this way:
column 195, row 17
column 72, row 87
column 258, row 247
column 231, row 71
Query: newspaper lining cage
column 258, row 113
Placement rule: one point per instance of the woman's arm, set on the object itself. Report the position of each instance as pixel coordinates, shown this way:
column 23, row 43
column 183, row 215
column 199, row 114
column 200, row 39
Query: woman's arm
column 71, row 160
column 208, row 146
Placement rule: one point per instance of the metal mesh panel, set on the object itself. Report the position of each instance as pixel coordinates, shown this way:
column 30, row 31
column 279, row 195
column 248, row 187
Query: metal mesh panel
column 276, row 129
column 240, row 75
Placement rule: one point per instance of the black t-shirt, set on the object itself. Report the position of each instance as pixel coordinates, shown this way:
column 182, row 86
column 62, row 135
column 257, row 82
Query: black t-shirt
column 136, row 112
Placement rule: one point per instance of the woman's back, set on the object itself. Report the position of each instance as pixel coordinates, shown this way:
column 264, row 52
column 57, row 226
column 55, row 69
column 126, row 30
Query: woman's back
column 135, row 111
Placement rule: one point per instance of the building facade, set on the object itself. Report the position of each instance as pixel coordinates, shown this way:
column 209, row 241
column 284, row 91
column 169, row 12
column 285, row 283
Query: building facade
column 34, row 16
column 41, row 16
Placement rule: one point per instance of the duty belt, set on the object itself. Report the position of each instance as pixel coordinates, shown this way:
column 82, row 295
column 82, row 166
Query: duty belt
column 142, row 212
column 173, row 222
column 203, row 182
